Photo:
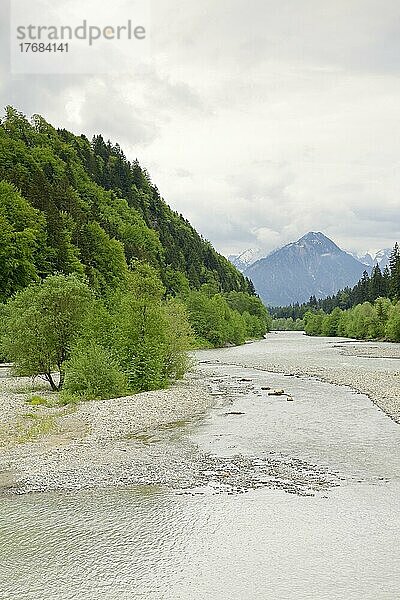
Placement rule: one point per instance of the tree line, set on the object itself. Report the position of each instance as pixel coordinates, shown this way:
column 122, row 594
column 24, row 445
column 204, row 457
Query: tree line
column 366, row 321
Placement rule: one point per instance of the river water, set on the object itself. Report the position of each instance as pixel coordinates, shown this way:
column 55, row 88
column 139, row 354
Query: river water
column 315, row 514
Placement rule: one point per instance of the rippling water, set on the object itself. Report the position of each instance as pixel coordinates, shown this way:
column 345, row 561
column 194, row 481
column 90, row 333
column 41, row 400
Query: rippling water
column 160, row 543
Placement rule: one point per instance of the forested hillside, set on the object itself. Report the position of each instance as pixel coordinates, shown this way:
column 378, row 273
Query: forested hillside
column 81, row 206
column 103, row 288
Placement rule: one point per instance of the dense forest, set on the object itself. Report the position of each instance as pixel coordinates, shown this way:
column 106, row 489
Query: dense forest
column 98, row 274
column 369, row 310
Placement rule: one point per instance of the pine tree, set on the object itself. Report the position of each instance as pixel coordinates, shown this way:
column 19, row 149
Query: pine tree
column 386, row 281
column 394, row 263
column 376, row 284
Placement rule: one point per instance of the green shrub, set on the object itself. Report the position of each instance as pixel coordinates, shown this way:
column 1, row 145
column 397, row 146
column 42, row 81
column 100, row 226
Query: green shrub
column 313, row 322
column 330, row 323
column 92, row 372
column 257, row 319
column 393, row 324
column 179, row 339
column 42, row 323
column 214, row 319
column 66, row 398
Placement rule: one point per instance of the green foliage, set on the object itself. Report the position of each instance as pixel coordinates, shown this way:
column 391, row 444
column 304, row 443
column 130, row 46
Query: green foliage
column 210, row 318
column 393, row 324
column 74, row 211
column 255, row 315
column 179, row 336
column 287, row 324
column 176, row 282
column 362, row 322
column 227, row 319
column 92, row 372
column 42, row 322
column 22, row 232
column 313, row 322
column 136, row 342
column 106, row 267
column 140, row 332
column 150, row 336
column 37, row 401
column 330, row 323
column 366, row 321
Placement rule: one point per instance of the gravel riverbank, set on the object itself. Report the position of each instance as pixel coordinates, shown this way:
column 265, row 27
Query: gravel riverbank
column 128, row 440
column 87, row 445
column 143, row 439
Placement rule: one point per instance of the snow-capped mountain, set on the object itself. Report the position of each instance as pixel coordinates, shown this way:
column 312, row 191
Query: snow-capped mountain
column 366, row 259
column 380, row 258
column 314, row 265
column 246, row 258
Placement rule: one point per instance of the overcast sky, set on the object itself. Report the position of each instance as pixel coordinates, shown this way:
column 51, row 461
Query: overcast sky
column 259, row 120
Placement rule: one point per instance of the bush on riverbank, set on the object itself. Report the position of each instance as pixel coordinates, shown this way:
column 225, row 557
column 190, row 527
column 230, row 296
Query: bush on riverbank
column 367, row 321
column 41, row 323
column 220, row 320
column 129, row 341
column 93, row 372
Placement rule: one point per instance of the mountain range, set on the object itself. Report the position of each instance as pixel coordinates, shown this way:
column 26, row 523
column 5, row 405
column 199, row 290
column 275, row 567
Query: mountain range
column 313, row 265
column 380, row 258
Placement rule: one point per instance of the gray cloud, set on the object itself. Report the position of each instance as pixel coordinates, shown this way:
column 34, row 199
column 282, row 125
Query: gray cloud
column 257, row 120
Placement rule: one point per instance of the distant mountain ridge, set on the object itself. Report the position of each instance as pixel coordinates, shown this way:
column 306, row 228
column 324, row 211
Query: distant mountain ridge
column 313, row 265
column 249, row 256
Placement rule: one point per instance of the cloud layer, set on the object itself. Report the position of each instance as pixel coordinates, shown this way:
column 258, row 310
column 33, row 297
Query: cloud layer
column 257, row 120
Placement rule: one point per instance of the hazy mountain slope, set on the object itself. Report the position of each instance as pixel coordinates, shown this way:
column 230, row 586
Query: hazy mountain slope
column 314, row 265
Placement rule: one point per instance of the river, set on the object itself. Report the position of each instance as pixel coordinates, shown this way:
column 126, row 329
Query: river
column 301, row 501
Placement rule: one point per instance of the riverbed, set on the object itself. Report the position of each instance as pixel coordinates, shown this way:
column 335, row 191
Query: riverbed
column 281, row 497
